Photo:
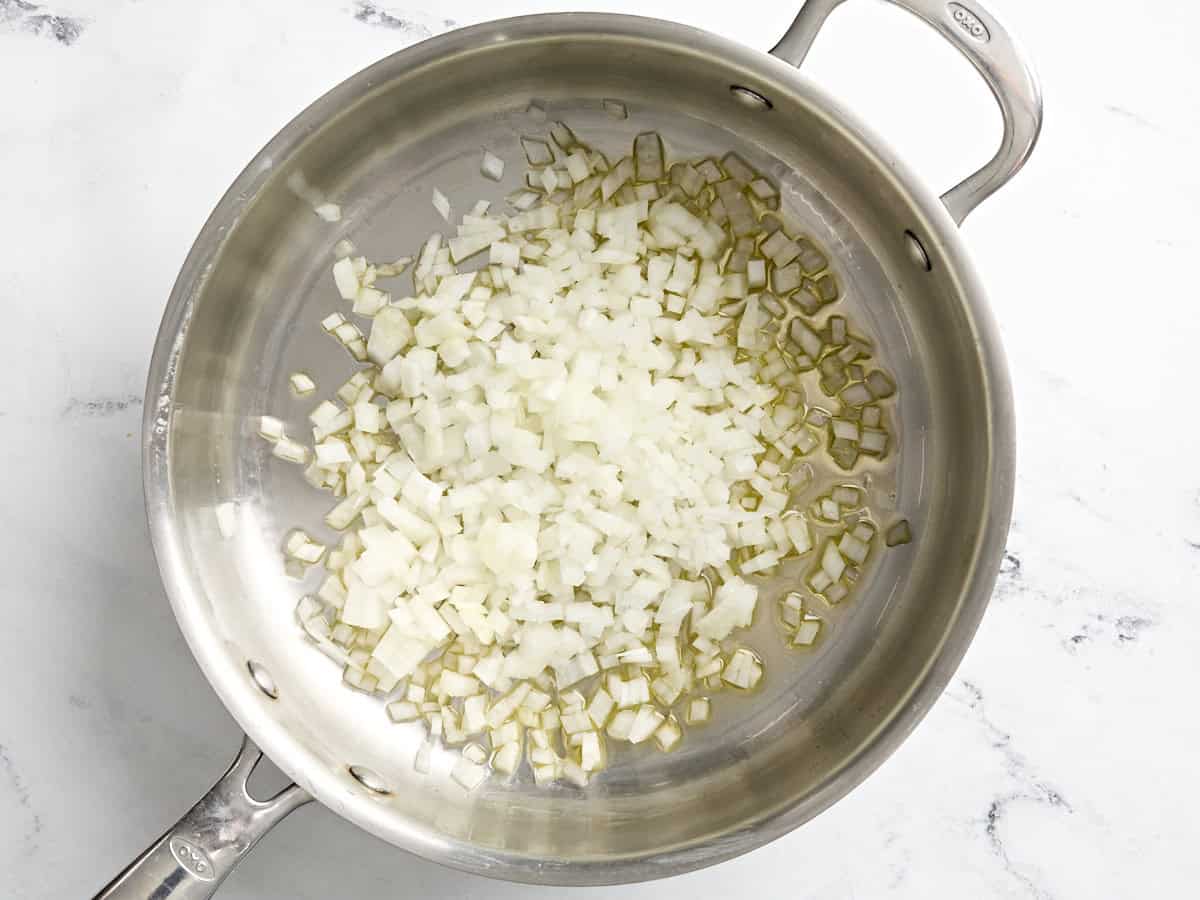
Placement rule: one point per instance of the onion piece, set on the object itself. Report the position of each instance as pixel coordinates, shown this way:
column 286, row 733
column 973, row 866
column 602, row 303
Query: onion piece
column 785, row 279
column 615, row 108
column 491, row 166
column 756, row 273
column 898, row 534
column 645, row 723
column 301, row 383
column 270, row 428
column 744, row 670
column 345, row 279
column 330, row 212
column 880, row 385
column 806, row 633
column 648, row 156
column 507, row 758
column 832, row 563
column 441, row 204
column 290, row 451
column 563, row 136
column 873, row 441
column 403, row 711
column 668, row 735
column 537, row 152
column 798, row 532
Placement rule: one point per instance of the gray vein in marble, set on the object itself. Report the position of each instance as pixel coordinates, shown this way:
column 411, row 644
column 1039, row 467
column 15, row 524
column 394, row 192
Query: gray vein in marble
column 1087, row 507
column 1131, row 116
column 1009, row 580
column 370, row 14
column 1122, row 629
column 21, row 792
column 1192, row 528
column 99, row 407
column 898, row 868
column 14, row 10
column 1030, row 787
column 20, row 15
column 1118, row 628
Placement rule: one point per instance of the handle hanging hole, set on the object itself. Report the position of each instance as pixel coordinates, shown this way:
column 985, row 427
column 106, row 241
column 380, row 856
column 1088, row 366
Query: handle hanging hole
column 369, row 779
column 262, row 678
column 916, row 252
column 749, row 98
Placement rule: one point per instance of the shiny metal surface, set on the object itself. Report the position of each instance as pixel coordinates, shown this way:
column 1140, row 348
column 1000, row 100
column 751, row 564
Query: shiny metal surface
column 990, row 48
column 244, row 314
column 191, row 860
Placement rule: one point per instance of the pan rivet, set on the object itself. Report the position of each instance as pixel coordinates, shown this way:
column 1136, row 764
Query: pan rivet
column 749, row 98
column 916, row 251
column 369, row 779
column 263, row 679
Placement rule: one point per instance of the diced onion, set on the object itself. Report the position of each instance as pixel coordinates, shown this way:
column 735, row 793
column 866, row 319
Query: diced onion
column 301, row 383
column 291, row 451
column 507, row 758
column 537, row 152
column 806, row 633
column 898, row 534
column 667, row 735
column 270, row 428
column 492, row 166
column 615, row 108
column 330, row 212
column 743, row 669
column 563, row 473
column 441, row 204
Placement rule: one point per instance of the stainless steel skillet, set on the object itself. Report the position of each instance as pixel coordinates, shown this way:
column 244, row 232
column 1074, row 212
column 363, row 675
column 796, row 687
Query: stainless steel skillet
column 244, row 313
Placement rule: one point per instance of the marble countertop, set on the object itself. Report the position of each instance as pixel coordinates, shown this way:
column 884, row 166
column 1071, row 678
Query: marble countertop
column 1060, row 763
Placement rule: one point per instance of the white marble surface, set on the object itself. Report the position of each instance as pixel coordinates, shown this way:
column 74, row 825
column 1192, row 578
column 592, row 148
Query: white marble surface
column 1061, row 761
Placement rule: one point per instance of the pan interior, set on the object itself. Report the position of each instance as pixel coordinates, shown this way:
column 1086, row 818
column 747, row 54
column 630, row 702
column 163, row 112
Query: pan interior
column 378, row 146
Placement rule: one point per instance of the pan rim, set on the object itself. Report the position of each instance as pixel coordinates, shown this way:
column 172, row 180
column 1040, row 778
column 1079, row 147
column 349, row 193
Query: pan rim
column 287, row 752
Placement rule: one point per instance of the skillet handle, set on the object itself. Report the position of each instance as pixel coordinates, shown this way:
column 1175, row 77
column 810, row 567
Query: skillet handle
column 982, row 40
column 191, row 860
